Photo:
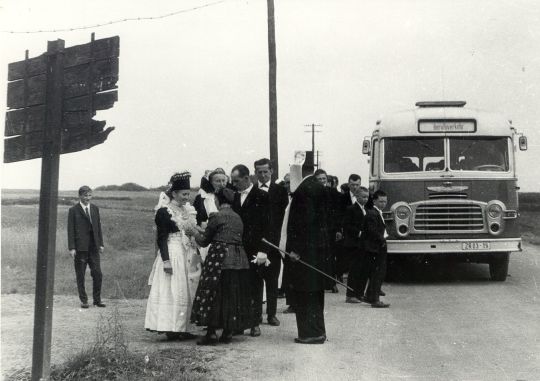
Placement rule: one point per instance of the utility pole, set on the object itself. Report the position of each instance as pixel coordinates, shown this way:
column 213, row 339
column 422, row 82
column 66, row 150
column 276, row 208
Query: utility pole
column 313, row 131
column 272, row 89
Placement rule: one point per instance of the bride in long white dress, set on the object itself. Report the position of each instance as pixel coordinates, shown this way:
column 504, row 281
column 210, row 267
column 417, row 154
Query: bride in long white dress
column 176, row 270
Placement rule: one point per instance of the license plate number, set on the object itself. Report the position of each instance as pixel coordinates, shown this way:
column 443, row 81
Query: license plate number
column 474, row 246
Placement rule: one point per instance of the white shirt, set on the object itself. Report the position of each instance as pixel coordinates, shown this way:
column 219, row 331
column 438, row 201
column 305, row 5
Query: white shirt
column 265, row 188
column 353, row 197
column 382, row 218
column 86, row 207
column 244, row 194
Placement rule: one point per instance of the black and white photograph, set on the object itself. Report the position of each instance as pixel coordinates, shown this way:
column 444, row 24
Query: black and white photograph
column 270, row 190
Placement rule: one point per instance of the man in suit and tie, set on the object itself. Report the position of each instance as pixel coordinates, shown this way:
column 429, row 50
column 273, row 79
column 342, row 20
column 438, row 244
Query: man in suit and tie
column 85, row 243
column 373, row 241
column 343, row 256
column 252, row 205
column 352, row 231
column 277, row 202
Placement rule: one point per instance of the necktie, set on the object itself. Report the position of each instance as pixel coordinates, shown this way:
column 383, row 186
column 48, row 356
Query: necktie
column 87, row 214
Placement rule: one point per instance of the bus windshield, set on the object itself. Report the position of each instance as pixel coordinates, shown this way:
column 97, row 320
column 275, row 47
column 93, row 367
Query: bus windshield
column 413, row 154
column 479, row 154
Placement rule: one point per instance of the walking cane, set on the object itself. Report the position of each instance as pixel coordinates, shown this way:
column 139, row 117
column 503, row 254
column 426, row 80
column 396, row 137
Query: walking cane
column 307, row 264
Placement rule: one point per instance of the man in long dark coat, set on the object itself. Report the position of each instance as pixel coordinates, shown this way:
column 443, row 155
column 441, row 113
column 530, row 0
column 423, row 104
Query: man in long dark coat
column 307, row 239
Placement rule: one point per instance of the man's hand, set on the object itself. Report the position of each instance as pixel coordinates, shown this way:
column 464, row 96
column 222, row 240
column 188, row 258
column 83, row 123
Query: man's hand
column 72, row 253
column 167, row 267
column 339, row 236
column 294, row 257
column 101, row 249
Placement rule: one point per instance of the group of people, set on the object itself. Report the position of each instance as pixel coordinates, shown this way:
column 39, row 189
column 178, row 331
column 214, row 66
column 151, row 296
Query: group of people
column 218, row 255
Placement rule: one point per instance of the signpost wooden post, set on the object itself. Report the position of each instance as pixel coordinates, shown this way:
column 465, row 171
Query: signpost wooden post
column 53, row 98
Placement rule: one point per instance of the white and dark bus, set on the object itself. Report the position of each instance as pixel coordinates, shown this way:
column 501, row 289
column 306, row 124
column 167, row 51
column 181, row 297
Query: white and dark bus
column 450, row 175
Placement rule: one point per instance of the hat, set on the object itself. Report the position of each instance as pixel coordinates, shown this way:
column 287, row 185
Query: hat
column 180, row 181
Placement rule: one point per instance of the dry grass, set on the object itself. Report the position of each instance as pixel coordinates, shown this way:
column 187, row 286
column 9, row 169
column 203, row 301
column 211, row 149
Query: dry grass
column 128, row 229
column 110, row 358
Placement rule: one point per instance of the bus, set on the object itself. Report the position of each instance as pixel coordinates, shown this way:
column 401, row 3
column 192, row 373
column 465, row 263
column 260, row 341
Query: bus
column 450, row 175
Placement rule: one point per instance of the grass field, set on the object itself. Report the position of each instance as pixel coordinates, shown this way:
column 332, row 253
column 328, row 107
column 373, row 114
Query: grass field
column 128, row 228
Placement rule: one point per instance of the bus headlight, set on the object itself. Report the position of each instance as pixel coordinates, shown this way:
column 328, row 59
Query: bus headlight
column 495, row 211
column 402, row 218
column 494, row 217
column 403, row 212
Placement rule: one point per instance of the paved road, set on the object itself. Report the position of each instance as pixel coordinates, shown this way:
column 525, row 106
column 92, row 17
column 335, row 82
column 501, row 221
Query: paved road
column 450, row 324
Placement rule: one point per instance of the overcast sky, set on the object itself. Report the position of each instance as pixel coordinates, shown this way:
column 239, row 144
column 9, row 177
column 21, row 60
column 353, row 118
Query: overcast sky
column 193, row 88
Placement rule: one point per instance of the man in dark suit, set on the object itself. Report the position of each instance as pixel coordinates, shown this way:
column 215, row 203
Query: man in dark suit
column 307, row 239
column 343, row 256
column 278, row 201
column 251, row 204
column 85, row 243
column 352, row 231
column 373, row 241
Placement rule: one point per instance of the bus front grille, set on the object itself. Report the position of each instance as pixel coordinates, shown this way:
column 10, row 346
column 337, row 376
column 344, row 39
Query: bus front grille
column 444, row 217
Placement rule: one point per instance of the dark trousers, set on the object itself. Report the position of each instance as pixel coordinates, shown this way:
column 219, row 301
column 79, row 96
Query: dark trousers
column 286, row 282
column 358, row 274
column 90, row 258
column 377, row 272
column 309, row 311
column 343, row 259
column 261, row 275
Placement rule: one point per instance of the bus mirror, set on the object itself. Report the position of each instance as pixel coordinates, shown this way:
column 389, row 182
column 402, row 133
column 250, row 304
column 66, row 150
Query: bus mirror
column 367, row 145
column 523, row 143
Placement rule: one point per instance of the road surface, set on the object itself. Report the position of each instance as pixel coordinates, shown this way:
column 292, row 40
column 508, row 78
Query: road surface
column 445, row 323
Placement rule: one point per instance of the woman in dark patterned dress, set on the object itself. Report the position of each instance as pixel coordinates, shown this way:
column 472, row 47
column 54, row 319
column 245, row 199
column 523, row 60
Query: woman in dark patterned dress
column 223, row 297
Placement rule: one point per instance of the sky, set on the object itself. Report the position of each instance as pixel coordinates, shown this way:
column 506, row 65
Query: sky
column 193, row 88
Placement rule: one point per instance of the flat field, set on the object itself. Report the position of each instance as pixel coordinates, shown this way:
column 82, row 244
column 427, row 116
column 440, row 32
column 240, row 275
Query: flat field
column 128, row 228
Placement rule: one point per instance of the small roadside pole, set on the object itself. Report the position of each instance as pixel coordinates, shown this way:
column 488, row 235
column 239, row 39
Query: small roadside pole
column 52, row 99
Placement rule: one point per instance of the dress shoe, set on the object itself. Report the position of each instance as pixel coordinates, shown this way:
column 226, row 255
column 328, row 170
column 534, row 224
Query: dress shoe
column 311, row 340
column 272, row 320
column 365, row 299
column 186, row 336
column 255, row 331
column 380, row 304
column 208, row 340
column 226, row 337
column 352, row 299
column 382, row 293
column 335, row 290
column 289, row 310
column 237, row 332
column 84, row 305
column 172, row 336
column 99, row 304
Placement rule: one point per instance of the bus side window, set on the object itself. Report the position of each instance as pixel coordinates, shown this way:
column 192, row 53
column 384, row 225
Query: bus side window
column 375, row 157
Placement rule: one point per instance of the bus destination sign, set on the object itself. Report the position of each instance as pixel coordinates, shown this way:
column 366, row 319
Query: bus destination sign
column 447, row 126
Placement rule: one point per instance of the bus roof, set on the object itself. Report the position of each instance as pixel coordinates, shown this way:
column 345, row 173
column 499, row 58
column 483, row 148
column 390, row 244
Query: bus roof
column 431, row 120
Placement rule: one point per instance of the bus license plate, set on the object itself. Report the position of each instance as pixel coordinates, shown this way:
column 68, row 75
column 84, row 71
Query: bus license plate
column 475, row 246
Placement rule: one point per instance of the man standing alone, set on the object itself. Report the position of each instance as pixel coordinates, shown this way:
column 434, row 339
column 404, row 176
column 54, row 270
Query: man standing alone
column 277, row 202
column 85, row 242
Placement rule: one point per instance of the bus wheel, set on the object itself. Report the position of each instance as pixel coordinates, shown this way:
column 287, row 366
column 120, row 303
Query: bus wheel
column 498, row 267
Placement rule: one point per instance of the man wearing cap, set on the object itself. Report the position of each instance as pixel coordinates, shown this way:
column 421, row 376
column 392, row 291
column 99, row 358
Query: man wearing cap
column 85, row 242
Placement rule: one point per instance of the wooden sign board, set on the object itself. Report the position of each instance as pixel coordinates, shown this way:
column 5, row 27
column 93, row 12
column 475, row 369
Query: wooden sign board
column 89, row 77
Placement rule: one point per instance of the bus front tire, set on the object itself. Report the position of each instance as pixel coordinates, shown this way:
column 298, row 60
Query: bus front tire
column 498, row 267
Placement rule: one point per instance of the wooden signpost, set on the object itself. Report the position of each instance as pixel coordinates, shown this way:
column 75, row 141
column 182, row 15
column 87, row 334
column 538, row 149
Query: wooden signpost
column 52, row 99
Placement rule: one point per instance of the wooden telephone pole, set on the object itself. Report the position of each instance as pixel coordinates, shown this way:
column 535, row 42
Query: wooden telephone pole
column 272, row 89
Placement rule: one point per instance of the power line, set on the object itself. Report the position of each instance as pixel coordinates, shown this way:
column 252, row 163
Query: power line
column 116, row 21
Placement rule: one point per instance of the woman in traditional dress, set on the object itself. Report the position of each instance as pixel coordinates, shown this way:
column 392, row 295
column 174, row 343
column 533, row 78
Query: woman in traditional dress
column 205, row 201
column 176, row 271
column 223, row 298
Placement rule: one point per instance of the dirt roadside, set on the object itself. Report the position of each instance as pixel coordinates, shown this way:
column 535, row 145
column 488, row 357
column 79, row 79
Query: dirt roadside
column 462, row 327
